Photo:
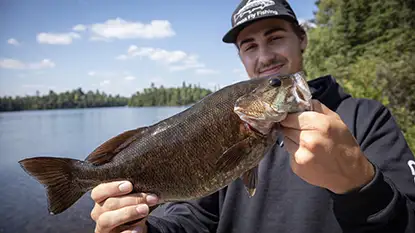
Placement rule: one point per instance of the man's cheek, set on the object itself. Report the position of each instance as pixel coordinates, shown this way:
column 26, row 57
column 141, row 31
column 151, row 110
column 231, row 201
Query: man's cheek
column 249, row 68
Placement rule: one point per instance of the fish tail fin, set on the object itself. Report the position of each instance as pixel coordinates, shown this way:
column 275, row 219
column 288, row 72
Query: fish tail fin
column 57, row 175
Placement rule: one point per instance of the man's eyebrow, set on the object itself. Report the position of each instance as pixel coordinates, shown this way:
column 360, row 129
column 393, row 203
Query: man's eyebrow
column 274, row 29
column 270, row 31
column 245, row 41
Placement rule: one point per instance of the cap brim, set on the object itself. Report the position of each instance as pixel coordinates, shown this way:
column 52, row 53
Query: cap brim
column 231, row 35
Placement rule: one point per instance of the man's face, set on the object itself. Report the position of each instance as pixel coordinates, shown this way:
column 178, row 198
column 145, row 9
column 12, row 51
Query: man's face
column 270, row 46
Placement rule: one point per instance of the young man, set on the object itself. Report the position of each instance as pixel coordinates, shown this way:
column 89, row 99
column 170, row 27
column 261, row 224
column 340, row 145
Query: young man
column 344, row 167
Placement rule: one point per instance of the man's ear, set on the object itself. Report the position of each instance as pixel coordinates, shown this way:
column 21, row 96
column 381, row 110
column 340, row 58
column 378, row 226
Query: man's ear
column 304, row 42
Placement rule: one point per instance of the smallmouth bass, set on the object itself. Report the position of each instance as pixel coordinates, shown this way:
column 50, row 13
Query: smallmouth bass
column 192, row 154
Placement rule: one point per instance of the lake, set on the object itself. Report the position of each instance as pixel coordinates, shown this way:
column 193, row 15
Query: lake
column 70, row 133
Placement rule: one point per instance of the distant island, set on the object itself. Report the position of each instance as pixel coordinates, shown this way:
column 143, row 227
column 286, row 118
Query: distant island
column 77, row 98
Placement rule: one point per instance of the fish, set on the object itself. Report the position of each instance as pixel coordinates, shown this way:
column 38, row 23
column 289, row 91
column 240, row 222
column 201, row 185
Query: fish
column 189, row 155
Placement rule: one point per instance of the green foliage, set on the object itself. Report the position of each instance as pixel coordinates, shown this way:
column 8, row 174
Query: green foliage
column 172, row 96
column 369, row 47
column 69, row 99
column 152, row 96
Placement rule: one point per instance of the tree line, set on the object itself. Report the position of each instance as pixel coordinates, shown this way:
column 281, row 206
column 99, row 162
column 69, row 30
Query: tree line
column 153, row 96
column 173, row 96
column 70, row 99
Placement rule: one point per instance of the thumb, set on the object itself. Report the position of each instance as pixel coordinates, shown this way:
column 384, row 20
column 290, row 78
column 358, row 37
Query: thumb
column 319, row 107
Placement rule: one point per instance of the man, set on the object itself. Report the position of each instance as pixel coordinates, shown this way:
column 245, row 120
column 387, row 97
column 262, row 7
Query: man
column 344, row 167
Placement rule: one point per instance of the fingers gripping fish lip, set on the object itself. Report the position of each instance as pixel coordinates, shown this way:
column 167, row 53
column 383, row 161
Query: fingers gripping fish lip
column 269, row 104
column 302, row 92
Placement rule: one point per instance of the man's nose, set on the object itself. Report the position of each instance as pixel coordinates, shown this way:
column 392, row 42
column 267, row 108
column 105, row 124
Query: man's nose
column 265, row 55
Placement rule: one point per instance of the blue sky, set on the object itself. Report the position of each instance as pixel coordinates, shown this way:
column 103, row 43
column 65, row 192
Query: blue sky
column 118, row 47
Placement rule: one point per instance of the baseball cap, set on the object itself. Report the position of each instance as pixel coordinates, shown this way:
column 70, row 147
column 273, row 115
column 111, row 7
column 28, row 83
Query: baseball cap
column 249, row 11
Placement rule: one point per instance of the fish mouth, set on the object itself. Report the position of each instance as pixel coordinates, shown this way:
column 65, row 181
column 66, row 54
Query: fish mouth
column 256, row 125
column 263, row 122
column 268, row 114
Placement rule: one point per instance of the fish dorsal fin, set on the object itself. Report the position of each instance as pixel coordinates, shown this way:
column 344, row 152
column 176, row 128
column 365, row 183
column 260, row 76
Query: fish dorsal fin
column 250, row 180
column 106, row 151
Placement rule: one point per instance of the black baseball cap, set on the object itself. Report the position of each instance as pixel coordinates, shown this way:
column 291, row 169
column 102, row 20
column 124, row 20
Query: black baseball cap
column 249, row 11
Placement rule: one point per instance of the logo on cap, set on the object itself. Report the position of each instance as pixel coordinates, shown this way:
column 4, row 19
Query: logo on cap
column 250, row 7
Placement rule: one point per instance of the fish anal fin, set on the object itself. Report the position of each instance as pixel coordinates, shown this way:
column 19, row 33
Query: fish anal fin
column 234, row 155
column 250, row 180
column 106, row 151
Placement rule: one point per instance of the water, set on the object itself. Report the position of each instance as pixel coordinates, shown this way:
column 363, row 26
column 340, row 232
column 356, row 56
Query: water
column 60, row 133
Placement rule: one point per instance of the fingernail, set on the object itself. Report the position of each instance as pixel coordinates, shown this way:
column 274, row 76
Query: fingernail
column 137, row 230
column 152, row 199
column 124, row 187
column 142, row 209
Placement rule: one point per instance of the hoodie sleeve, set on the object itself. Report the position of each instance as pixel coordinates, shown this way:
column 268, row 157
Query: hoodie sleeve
column 201, row 215
column 387, row 203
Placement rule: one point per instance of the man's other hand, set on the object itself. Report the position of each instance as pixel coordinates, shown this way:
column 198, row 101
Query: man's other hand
column 114, row 207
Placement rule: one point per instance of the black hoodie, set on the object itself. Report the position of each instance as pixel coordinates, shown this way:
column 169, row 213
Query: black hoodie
column 284, row 203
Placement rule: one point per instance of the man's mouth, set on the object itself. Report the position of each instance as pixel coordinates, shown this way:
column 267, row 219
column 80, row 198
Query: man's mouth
column 271, row 70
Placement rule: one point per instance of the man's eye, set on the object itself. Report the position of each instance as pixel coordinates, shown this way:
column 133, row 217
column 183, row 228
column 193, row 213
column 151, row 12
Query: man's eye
column 276, row 38
column 249, row 47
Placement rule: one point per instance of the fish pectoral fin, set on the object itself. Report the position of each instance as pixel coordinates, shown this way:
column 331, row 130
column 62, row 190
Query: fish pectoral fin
column 234, row 155
column 250, row 179
column 106, row 151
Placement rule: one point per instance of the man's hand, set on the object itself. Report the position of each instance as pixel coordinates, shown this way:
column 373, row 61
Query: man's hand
column 113, row 208
column 323, row 151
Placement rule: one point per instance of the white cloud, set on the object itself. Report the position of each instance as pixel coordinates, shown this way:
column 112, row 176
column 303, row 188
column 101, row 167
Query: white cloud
column 156, row 54
column 132, row 49
column 191, row 62
column 122, row 29
column 13, row 41
column 206, row 71
column 129, row 78
column 19, row 65
column 56, row 38
column 11, row 64
column 105, row 82
column 306, row 23
column 45, row 63
column 94, row 38
column 79, row 28
column 91, row 73
column 177, row 60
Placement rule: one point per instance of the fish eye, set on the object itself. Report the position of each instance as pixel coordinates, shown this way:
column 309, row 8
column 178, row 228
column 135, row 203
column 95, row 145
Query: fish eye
column 275, row 82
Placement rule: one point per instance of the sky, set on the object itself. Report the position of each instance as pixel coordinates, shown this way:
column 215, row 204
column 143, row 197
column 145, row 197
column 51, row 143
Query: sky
column 119, row 47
